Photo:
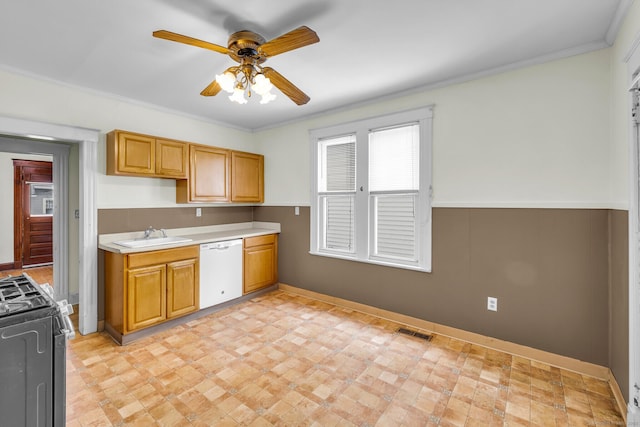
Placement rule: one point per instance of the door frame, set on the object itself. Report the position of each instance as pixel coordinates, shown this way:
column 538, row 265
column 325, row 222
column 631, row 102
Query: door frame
column 632, row 59
column 19, row 230
column 34, row 134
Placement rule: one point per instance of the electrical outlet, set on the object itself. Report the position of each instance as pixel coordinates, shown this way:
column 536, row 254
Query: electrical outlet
column 198, row 211
column 492, row 304
column 296, row 210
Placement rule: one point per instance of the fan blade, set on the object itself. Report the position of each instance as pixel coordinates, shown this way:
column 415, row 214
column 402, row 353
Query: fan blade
column 212, row 89
column 168, row 35
column 294, row 39
column 285, row 86
column 214, row 86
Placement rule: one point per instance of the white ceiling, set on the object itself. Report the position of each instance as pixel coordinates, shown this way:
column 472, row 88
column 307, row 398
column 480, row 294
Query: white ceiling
column 368, row 48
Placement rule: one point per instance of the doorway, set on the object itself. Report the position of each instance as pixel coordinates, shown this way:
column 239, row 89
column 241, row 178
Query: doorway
column 26, row 136
column 33, row 213
column 633, row 67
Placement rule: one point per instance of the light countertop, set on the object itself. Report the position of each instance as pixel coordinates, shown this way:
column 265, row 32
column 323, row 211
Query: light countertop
column 198, row 235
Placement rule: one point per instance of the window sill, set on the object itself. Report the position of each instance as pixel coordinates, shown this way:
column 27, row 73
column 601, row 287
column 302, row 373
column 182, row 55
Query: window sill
column 372, row 261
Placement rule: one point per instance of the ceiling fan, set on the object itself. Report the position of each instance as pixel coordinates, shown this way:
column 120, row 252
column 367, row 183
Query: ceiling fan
column 251, row 50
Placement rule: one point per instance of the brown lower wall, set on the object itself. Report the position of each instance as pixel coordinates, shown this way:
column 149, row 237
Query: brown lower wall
column 560, row 275
column 549, row 269
column 619, row 300
column 128, row 220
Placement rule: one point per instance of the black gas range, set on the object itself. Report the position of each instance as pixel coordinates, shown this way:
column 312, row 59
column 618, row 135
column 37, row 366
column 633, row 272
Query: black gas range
column 34, row 330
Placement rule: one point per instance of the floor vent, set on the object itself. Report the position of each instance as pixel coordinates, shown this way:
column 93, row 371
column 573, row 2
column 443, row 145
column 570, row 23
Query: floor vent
column 414, row 334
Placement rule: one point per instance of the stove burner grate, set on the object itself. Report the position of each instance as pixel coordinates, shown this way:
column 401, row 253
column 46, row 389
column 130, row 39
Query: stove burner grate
column 18, row 294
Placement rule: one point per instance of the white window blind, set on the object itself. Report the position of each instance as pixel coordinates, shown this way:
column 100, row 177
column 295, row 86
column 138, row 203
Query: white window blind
column 394, row 159
column 337, row 193
column 371, row 190
column 394, row 226
column 338, row 164
column 339, row 223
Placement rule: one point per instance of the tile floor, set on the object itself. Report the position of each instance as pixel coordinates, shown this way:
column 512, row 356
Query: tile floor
column 287, row 360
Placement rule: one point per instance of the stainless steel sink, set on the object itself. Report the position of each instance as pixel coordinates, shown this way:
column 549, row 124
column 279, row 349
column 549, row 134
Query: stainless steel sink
column 154, row 241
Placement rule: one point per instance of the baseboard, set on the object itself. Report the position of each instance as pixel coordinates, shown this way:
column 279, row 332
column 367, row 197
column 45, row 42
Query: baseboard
column 74, row 299
column 617, row 393
column 8, row 266
column 564, row 362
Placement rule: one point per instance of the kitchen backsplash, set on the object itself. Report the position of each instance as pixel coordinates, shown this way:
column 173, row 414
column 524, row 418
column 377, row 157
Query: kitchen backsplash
column 126, row 220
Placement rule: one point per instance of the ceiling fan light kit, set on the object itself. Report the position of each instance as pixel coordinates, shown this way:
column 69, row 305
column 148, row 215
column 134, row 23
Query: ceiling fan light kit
column 249, row 78
column 250, row 50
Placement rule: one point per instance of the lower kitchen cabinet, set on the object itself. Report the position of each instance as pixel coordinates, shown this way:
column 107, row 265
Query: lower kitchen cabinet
column 182, row 294
column 146, row 296
column 147, row 288
column 260, row 262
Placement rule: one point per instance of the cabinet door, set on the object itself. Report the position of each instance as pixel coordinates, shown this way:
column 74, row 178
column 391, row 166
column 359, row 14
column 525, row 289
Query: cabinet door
column 247, row 177
column 182, row 287
column 136, row 154
column 146, row 296
column 171, row 158
column 208, row 174
column 260, row 264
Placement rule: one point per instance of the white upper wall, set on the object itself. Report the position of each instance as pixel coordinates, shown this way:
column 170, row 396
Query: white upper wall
column 621, row 104
column 33, row 99
column 532, row 137
column 539, row 136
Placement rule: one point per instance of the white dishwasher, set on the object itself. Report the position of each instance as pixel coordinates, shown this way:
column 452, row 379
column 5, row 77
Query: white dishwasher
column 220, row 272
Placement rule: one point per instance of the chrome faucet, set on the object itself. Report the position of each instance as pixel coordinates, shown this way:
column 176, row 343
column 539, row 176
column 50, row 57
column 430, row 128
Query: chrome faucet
column 148, row 231
column 151, row 230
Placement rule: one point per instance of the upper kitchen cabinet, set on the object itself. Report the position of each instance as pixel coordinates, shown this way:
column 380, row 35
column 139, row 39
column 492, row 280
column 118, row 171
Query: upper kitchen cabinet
column 209, row 175
column 135, row 154
column 171, row 158
column 247, row 177
column 220, row 175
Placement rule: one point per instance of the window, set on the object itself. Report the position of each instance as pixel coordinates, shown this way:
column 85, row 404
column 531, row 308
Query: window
column 371, row 190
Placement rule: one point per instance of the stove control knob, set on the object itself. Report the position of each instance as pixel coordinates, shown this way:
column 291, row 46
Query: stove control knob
column 48, row 289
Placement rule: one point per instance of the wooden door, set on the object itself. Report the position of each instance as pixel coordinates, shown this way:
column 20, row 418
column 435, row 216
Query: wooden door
column 33, row 213
column 182, row 287
column 146, row 296
column 247, row 177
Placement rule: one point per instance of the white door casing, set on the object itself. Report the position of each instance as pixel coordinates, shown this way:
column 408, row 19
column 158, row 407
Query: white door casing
column 87, row 139
column 633, row 68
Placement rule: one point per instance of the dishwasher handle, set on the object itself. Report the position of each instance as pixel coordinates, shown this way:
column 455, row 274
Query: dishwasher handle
column 221, row 246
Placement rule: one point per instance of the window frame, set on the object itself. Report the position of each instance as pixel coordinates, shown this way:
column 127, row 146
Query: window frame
column 363, row 227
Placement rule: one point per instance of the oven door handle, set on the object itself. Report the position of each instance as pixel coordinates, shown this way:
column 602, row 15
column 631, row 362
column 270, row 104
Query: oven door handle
column 69, row 331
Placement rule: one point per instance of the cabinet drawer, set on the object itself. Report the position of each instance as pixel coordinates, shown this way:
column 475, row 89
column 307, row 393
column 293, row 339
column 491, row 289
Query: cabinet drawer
column 162, row 256
column 267, row 239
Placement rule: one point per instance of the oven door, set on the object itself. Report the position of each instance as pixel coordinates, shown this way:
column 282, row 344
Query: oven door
column 26, row 394
column 59, row 379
